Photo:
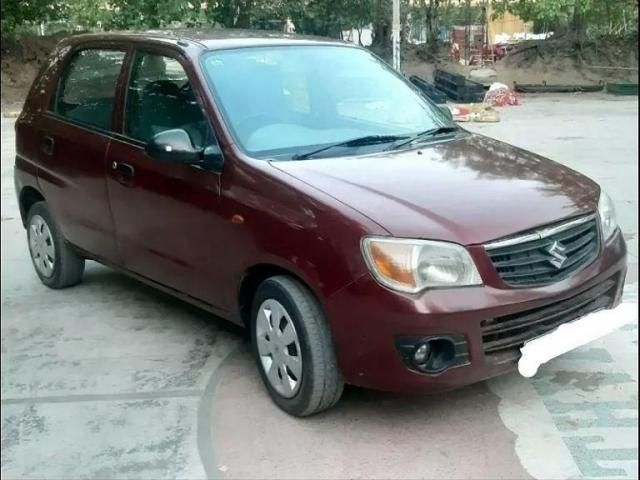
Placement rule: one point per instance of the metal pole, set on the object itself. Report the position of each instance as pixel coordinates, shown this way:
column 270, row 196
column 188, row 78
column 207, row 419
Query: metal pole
column 467, row 31
column 395, row 34
column 487, row 19
column 483, row 30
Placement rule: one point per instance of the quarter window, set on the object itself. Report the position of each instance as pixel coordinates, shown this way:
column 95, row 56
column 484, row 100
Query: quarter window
column 159, row 98
column 87, row 89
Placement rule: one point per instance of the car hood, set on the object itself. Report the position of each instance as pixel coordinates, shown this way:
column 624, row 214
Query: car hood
column 470, row 189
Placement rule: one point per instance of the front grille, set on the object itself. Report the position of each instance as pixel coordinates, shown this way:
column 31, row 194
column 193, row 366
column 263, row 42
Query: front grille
column 546, row 256
column 511, row 331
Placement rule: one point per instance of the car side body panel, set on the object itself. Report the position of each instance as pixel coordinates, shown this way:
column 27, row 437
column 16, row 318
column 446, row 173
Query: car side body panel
column 72, row 180
column 270, row 222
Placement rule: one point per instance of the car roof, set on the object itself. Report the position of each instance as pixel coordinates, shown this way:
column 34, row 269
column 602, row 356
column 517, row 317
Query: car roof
column 213, row 39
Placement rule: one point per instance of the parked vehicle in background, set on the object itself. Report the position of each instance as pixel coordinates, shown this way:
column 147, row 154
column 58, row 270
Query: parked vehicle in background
column 302, row 188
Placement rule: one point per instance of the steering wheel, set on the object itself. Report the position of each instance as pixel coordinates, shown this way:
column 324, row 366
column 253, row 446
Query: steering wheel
column 253, row 122
column 185, row 91
column 185, row 88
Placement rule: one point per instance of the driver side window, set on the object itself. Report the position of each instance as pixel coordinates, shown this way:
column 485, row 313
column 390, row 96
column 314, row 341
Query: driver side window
column 159, row 98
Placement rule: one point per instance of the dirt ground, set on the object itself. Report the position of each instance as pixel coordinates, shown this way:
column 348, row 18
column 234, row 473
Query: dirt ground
column 21, row 60
column 550, row 61
column 553, row 61
column 557, row 62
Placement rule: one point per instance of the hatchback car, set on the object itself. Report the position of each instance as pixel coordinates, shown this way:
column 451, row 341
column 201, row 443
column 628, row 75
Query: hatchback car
column 302, row 188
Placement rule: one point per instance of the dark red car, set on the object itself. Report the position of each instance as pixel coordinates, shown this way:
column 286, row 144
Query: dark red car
column 302, row 188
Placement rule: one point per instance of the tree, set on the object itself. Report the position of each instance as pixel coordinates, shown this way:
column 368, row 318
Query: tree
column 230, row 13
column 382, row 25
column 579, row 18
column 360, row 15
column 576, row 17
column 17, row 13
column 431, row 21
column 328, row 17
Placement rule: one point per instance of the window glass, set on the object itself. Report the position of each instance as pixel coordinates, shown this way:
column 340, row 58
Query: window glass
column 88, row 87
column 291, row 99
column 159, row 97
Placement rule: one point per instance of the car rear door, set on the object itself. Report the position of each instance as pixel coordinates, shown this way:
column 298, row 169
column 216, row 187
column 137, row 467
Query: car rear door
column 73, row 136
column 166, row 214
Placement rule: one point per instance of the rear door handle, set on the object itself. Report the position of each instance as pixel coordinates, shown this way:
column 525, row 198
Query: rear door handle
column 47, row 145
column 124, row 169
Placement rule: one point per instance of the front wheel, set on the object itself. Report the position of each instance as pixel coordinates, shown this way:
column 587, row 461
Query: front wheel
column 293, row 348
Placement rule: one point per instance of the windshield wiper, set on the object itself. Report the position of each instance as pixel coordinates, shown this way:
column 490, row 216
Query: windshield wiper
column 354, row 142
column 432, row 132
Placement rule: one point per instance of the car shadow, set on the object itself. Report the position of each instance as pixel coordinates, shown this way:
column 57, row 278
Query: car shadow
column 367, row 434
column 127, row 289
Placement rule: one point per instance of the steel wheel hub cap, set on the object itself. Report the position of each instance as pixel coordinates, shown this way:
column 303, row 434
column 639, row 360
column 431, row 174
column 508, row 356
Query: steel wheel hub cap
column 43, row 252
column 279, row 348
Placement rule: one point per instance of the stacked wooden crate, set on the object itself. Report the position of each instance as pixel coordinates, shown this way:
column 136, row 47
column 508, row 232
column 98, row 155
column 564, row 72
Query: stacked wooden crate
column 458, row 88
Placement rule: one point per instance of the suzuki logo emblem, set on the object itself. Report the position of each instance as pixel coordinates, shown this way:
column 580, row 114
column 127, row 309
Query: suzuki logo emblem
column 556, row 250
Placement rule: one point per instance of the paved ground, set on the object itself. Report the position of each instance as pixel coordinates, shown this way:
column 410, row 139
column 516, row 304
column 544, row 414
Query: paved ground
column 114, row 380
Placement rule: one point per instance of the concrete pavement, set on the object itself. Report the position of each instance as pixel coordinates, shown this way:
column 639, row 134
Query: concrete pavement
column 111, row 379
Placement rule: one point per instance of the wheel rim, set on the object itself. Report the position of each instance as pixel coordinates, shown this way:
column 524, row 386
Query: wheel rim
column 41, row 246
column 279, row 348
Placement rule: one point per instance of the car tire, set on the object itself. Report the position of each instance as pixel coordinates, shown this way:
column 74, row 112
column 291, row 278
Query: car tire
column 282, row 302
column 54, row 260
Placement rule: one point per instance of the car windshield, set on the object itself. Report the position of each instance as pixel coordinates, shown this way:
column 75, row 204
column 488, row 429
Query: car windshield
column 281, row 102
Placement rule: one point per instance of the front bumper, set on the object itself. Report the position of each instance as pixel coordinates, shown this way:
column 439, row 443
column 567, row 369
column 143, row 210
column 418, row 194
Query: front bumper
column 367, row 320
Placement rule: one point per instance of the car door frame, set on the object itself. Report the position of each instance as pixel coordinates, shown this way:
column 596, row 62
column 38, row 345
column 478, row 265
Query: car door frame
column 174, row 52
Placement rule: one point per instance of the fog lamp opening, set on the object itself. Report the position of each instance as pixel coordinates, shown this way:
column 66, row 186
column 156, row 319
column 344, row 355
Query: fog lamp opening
column 433, row 354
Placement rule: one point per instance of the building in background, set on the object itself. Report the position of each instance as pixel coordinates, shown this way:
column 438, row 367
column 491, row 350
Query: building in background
column 507, row 26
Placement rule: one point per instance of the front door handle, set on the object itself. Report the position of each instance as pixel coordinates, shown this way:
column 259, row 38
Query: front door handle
column 124, row 173
column 47, row 145
column 124, row 169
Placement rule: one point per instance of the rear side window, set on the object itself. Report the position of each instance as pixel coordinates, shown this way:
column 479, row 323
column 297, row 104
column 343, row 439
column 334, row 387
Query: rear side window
column 87, row 88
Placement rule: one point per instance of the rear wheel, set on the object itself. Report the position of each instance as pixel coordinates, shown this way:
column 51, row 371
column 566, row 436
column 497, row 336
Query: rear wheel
column 55, row 262
column 293, row 348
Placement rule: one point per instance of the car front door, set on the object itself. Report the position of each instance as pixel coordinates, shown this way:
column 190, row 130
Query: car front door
column 73, row 137
column 166, row 214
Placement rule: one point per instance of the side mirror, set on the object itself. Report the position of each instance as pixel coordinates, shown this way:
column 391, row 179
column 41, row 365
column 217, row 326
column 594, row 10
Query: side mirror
column 212, row 158
column 446, row 112
column 173, row 146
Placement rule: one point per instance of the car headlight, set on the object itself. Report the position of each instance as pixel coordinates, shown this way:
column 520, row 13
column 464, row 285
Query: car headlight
column 607, row 213
column 413, row 265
